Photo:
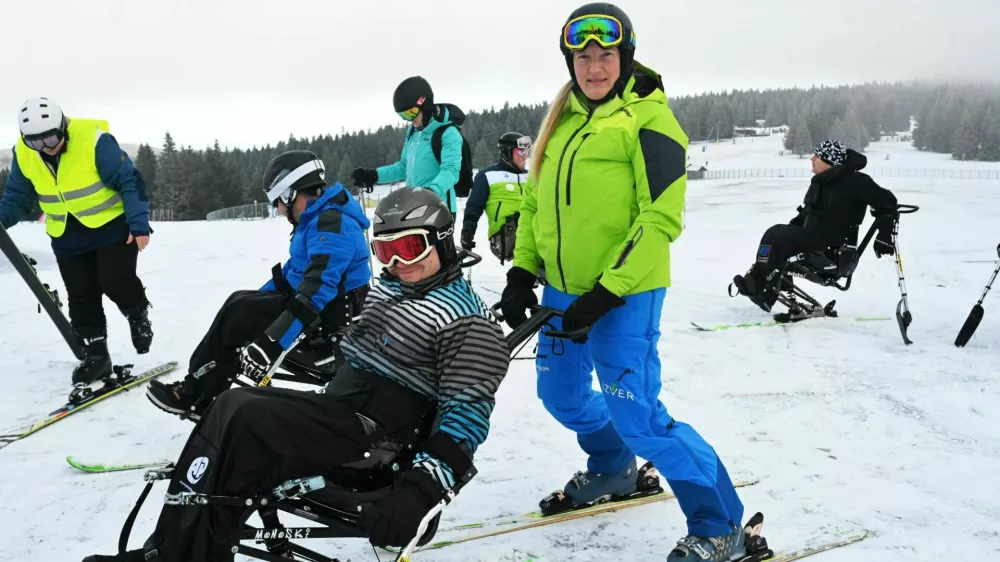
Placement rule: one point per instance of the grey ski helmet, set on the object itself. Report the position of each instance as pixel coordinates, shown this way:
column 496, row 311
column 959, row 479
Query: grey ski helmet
column 417, row 207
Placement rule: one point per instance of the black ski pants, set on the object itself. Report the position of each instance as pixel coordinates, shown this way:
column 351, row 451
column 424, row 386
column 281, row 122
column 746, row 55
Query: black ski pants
column 781, row 242
column 109, row 270
column 241, row 319
column 252, row 439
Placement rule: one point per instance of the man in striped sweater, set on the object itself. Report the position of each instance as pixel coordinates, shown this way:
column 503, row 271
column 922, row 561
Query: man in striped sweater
column 422, row 367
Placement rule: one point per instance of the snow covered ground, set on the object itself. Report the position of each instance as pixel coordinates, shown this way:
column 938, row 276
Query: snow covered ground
column 846, row 427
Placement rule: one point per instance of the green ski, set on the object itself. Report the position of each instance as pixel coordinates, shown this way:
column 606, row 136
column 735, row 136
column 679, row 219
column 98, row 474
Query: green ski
column 101, row 468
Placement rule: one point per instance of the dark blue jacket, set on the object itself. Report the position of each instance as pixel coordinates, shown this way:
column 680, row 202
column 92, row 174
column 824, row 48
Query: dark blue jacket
column 117, row 172
column 328, row 248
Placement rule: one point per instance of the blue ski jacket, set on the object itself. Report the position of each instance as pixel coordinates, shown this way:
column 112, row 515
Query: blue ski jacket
column 328, row 254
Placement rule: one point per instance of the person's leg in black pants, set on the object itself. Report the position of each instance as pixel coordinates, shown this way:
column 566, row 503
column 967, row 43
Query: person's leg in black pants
column 241, row 319
column 778, row 243
column 116, row 274
column 251, row 440
column 86, row 315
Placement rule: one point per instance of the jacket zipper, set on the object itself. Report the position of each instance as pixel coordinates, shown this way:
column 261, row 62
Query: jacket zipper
column 569, row 173
column 562, row 274
column 496, row 216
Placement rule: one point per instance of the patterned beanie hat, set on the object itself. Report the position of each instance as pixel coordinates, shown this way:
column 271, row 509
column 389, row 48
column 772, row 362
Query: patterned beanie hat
column 833, row 152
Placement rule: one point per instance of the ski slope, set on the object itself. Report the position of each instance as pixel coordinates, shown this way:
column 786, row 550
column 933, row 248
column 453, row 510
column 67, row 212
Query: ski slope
column 846, row 427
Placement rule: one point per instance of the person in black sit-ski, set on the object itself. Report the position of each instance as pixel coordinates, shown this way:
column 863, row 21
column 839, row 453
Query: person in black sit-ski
column 833, row 209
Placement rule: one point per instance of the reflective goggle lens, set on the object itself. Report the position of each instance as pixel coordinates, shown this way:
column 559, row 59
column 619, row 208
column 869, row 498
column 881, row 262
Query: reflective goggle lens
column 407, row 247
column 410, row 114
column 50, row 139
column 606, row 30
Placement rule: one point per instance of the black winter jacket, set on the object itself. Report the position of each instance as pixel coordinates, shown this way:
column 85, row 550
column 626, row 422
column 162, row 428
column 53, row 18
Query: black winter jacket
column 837, row 199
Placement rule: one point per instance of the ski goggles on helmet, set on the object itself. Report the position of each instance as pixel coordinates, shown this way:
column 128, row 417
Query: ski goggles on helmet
column 606, row 30
column 283, row 187
column 48, row 139
column 406, row 247
column 411, row 114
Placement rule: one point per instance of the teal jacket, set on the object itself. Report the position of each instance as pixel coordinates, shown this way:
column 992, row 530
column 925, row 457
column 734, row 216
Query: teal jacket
column 417, row 164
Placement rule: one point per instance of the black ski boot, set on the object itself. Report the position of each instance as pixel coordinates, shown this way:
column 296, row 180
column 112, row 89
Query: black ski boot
column 96, row 364
column 141, row 328
column 186, row 398
column 751, row 286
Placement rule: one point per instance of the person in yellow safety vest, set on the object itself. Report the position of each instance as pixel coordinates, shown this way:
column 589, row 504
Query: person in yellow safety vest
column 497, row 191
column 97, row 214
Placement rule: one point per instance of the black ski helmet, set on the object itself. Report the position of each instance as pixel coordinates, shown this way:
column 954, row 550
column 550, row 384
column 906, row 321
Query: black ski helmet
column 626, row 49
column 413, row 92
column 418, row 207
column 292, row 172
column 508, row 142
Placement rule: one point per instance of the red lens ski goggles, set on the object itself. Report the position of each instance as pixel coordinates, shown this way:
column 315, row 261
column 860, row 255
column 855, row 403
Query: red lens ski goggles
column 406, row 247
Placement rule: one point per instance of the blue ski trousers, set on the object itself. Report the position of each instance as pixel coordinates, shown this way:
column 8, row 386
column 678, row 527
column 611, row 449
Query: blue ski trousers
column 626, row 418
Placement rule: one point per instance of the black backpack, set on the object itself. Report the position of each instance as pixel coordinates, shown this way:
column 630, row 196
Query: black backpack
column 464, row 185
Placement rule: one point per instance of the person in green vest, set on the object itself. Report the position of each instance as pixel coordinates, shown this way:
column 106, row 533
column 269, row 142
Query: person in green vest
column 97, row 214
column 497, row 190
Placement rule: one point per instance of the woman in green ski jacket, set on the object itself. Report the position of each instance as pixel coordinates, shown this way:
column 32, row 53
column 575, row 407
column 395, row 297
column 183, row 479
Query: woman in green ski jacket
column 601, row 207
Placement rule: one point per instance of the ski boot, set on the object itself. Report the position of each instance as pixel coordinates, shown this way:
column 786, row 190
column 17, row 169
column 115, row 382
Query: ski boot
column 740, row 545
column 749, row 286
column 586, row 489
column 186, row 397
column 96, row 364
column 141, row 329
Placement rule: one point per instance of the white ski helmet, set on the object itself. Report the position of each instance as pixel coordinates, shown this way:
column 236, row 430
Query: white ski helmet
column 39, row 115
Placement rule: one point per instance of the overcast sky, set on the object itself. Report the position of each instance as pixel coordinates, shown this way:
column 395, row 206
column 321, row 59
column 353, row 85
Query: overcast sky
column 249, row 72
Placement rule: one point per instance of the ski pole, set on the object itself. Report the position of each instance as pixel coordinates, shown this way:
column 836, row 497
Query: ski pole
column 903, row 316
column 976, row 315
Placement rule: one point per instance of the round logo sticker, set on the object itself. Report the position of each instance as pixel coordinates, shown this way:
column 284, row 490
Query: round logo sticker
column 510, row 187
column 197, row 469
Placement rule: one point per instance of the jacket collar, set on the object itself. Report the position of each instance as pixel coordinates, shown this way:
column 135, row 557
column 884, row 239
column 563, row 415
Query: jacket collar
column 421, row 288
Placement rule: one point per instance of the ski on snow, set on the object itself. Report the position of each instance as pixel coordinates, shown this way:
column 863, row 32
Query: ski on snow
column 112, row 386
column 757, row 548
column 530, row 520
column 773, row 323
column 102, row 468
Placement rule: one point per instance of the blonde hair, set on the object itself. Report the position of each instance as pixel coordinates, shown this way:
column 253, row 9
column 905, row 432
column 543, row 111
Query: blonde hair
column 548, row 127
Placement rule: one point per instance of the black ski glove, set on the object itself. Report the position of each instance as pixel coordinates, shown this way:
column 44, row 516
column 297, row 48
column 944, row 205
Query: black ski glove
column 365, row 177
column 883, row 245
column 467, row 242
column 257, row 358
column 517, row 296
column 588, row 309
column 394, row 519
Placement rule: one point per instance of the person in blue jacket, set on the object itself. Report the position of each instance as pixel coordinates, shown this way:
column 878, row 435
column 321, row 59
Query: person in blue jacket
column 97, row 214
column 413, row 100
column 324, row 281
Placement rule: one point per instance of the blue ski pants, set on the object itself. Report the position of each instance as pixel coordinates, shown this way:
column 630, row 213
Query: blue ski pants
column 626, row 417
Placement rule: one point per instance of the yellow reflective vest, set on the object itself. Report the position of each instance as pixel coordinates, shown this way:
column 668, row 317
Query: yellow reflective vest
column 77, row 187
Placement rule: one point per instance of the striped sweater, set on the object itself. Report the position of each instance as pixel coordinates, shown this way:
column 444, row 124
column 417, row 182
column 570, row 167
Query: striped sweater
column 438, row 338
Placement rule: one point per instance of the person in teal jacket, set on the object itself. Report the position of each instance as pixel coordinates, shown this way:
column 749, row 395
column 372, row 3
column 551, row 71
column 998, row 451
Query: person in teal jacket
column 413, row 100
